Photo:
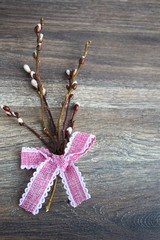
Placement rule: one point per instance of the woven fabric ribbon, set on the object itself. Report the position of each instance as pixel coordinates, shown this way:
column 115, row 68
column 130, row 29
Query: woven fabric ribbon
column 48, row 166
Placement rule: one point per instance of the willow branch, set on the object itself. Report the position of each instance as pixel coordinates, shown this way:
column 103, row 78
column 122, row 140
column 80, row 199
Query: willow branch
column 54, row 138
column 40, row 88
column 72, row 119
column 69, row 91
column 81, row 63
column 37, row 73
column 60, row 117
column 64, row 125
column 22, row 123
column 50, row 115
column 35, row 133
column 40, row 85
column 52, row 194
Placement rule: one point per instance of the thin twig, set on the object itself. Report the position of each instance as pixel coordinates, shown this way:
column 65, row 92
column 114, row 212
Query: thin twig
column 80, row 64
column 42, row 108
column 33, row 131
column 54, row 138
column 40, row 86
column 38, row 77
column 50, row 115
column 22, row 123
column 52, row 194
column 60, row 117
column 73, row 115
column 64, row 125
column 67, row 95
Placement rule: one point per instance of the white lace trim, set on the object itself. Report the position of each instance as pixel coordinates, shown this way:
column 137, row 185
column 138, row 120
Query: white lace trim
column 70, row 142
column 41, row 150
column 66, row 187
column 29, row 167
column 45, row 194
column 83, row 151
column 29, row 149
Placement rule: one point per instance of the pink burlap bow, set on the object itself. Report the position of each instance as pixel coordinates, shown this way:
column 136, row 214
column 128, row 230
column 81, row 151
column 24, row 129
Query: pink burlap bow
column 48, row 166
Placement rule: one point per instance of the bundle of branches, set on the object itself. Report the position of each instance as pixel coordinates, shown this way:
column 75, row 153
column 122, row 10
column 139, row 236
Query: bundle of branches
column 59, row 134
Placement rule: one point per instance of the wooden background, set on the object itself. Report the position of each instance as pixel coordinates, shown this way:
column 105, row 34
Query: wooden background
column 119, row 93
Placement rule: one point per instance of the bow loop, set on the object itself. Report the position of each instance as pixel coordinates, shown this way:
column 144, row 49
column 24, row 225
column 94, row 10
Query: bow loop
column 48, row 166
column 78, row 145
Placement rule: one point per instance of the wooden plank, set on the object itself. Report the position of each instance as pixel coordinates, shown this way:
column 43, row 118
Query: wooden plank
column 119, row 93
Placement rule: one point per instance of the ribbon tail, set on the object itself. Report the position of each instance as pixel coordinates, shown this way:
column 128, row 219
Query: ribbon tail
column 38, row 187
column 74, row 185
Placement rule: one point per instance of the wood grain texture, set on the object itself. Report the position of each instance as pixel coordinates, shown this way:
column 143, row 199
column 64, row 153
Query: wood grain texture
column 119, row 92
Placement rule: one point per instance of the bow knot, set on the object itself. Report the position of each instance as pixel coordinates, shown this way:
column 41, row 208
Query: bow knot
column 48, row 166
column 60, row 161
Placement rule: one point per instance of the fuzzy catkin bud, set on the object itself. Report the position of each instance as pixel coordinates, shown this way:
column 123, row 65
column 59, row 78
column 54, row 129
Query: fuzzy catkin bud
column 74, row 72
column 46, row 131
column 41, row 37
column 74, row 85
column 44, row 92
column 33, row 74
column 20, row 121
column 9, row 114
column 68, row 72
column 37, row 28
column 27, row 68
column 39, row 46
column 35, row 54
column 34, row 83
column 82, row 60
column 69, row 131
column 76, row 106
column 6, row 108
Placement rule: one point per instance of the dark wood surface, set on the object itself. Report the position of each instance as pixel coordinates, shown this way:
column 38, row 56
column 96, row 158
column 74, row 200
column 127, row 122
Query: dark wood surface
column 119, row 92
